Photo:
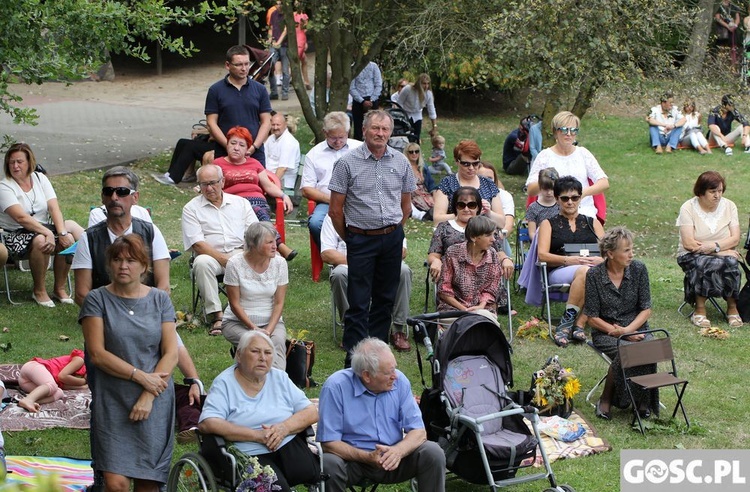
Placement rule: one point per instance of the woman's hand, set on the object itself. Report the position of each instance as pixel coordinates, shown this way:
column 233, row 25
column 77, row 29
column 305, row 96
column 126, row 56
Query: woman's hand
column 507, row 267
column 274, row 435
column 486, row 207
column 152, row 382
column 288, row 205
column 49, row 243
column 142, row 408
column 435, row 268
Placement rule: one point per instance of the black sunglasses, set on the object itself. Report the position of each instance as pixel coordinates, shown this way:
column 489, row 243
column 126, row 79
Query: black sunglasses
column 122, row 191
column 469, row 205
column 413, row 151
column 470, row 163
column 573, row 198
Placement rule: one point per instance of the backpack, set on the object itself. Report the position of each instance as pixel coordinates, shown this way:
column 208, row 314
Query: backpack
column 522, row 141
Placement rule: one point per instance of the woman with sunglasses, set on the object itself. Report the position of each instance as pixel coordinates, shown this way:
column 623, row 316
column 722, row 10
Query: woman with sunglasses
column 570, row 160
column 468, row 158
column 569, row 227
column 421, row 198
column 34, row 225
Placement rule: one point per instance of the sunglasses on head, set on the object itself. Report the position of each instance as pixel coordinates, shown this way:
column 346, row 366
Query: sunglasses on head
column 414, row 151
column 469, row 205
column 122, row 191
column 470, row 163
column 572, row 198
column 567, row 130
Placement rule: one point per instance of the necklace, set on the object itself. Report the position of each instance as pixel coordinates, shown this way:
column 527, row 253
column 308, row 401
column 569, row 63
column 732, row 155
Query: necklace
column 129, row 308
column 30, row 200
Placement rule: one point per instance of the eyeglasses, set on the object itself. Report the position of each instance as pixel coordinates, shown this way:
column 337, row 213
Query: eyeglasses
column 470, row 163
column 413, row 151
column 567, row 130
column 469, row 205
column 572, row 198
column 206, row 184
column 122, row 191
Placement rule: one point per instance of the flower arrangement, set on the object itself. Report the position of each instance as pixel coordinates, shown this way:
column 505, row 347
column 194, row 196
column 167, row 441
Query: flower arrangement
column 533, row 328
column 555, row 386
column 714, row 332
column 253, row 476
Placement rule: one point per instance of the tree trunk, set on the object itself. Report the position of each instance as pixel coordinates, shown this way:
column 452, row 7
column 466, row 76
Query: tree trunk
column 585, row 97
column 699, row 38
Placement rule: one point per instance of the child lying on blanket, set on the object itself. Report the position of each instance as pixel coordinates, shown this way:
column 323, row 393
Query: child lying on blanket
column 43, row 380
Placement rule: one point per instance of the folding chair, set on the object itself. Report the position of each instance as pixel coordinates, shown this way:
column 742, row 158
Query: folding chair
column 279, row 208
column 647, row 352
column 336, row 321
column 552, row 293
column 606, row 359
column 523, row 243
column 316, row 262
column 709, row 300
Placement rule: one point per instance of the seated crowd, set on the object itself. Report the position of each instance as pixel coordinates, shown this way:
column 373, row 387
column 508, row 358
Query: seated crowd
column 121, row 270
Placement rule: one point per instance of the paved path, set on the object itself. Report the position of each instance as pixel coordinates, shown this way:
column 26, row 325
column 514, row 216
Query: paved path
column 91, row 125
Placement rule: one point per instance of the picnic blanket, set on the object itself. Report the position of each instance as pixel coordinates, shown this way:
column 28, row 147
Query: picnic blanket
column 71, row 474
column 71, row 411
column 586, row 445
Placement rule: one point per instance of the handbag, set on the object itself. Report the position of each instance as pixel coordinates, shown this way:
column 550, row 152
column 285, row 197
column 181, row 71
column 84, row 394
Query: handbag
column 743, row 301
column 300, row 359
column 422, row 199
column 581, row 249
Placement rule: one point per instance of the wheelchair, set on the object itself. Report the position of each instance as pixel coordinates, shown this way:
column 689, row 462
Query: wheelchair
column 214, row 469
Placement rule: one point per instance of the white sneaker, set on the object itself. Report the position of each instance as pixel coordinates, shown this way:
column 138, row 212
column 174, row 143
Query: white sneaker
column 747, row 150
column 728, row 151
column 163, row 178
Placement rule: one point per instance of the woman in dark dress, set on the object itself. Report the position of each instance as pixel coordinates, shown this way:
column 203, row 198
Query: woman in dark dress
column 618, row 302
column 131, row 345
column 569, row 227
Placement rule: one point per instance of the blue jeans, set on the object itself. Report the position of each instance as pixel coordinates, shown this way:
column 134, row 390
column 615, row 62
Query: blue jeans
column 373, row 261
column 315, row 222
column 279, row 54
column 672, row 139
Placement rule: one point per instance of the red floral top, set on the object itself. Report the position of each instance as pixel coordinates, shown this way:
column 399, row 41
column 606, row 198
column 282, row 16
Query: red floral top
column 470, row 284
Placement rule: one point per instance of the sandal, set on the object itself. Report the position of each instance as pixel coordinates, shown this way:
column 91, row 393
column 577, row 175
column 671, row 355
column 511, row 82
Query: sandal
column 700, row 321
column 215, row 329
column 562, row 336
column 579, row 335
column 735, row 321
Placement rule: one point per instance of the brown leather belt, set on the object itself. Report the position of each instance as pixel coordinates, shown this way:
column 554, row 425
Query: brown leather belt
column 373, row 232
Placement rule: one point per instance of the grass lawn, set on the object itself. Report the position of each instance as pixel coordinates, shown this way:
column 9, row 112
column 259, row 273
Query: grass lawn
column 645, row 195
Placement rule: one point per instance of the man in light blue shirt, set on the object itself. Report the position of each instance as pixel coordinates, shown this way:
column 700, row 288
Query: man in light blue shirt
column 365, row 90
column 371, row 428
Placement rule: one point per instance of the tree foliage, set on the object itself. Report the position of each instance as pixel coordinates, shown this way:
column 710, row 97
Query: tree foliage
column 67, row 39
column 566, row 49
column 347, row 35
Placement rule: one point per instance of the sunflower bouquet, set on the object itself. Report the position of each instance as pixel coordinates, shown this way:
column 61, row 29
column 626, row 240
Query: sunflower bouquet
column 554, row 387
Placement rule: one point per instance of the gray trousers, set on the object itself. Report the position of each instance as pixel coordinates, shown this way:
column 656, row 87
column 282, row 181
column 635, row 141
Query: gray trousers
column 340, row 282
column 426, row 463
column 205, row 270
column 233, row 331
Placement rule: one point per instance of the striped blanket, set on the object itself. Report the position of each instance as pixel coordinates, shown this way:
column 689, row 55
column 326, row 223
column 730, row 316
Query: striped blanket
column 71, row 474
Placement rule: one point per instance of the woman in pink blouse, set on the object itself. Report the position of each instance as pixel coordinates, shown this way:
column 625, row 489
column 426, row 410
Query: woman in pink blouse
column 473, row 270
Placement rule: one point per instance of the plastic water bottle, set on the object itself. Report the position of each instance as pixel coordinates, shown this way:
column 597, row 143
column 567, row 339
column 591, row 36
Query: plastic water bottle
column 428, row 346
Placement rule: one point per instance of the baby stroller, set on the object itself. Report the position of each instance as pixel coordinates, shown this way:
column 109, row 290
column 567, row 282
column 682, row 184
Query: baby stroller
column 468, row 410
column 260, row 63
column 403, row 132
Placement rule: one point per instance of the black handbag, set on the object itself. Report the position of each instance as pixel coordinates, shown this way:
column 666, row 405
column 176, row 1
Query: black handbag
column 300, row 358
column 581, row 249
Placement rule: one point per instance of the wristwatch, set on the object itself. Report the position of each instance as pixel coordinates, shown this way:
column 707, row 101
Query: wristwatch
column 717, row 249
column 64, row 233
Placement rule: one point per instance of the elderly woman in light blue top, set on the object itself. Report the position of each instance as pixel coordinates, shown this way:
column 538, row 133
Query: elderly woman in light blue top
column 261, row 411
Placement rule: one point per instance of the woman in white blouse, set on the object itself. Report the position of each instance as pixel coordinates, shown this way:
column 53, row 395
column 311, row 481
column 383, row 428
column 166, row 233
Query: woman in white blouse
column 33, row 223
column 414, row 98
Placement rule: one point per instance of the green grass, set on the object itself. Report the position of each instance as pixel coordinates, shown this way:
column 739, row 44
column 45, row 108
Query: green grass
column 645, row 195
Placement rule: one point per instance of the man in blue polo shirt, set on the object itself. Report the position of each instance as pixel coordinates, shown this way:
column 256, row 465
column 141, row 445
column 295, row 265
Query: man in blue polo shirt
column 238, row 100
column 371, row 428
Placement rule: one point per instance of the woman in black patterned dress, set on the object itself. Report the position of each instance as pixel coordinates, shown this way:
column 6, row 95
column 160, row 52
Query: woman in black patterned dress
column 618, row 302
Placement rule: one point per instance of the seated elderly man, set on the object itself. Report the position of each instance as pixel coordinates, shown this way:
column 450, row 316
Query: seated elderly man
column 371, row 428
column 213, row 226
column 333, row 252
column 319, row 166
column 665, row 125
column 282, row 150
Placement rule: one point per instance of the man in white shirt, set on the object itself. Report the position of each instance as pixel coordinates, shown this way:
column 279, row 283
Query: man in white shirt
column 282, row 152
column 119, row 195
column 333, row 252
column 319, row 166
column 213, row 226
